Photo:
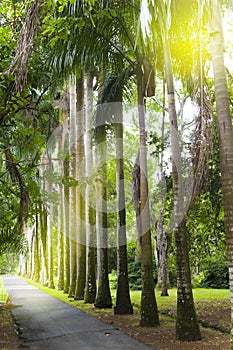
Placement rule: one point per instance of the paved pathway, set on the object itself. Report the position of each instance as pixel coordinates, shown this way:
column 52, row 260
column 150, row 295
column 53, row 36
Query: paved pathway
column 48, row 323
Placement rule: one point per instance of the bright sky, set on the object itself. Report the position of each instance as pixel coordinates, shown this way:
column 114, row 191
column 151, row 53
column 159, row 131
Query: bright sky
column 227, row 29
column 228, row 33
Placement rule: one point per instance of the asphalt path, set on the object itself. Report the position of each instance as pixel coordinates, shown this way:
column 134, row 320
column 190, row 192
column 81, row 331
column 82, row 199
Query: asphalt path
column 48, row 323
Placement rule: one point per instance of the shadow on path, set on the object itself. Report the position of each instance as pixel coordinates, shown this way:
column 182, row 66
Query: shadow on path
column 48, row 323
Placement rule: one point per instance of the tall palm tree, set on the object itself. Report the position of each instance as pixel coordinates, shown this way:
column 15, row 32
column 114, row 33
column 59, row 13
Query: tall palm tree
column 103, row 295
column 50, row 215
column 66, row 206
column 36, row 257
column 187, row 327
column 149, row 310
column 90, row 290
column 72, row 197
column 80, row 200
column 43, row 240
column 60, row 213
column 123, row 303
column 161, row 239
column 225, row 130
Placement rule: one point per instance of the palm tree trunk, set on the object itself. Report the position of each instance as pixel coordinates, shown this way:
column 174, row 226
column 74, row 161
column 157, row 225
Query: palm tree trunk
column 187, row 328
column 60, row 250
column 60, row 215
column 72, row 199
column 49, row 189
column 225, row 132
column 65, row 203
column 90, row 289
column 103, row 295
column 81, row 229
column 161, row 241
column 149, row 310
column 43, row 236
column 137, row 201
column 123, row 303
column 36, row 261
column 162, row 255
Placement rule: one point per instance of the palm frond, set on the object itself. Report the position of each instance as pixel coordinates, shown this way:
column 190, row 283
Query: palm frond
column 11, row 241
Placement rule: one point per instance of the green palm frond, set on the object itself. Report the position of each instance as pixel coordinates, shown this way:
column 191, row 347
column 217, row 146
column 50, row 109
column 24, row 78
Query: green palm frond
column 11, row 241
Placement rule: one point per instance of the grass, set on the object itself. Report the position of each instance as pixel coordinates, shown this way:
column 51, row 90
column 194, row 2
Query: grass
column 164, row 303
column 211, row 294
column 3, row 292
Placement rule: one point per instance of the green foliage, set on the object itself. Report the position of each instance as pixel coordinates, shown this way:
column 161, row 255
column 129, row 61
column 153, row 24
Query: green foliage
column 197, row 280
column 216, row 276
column 8, row 263
column 11, row 241
column 135, row 277
column 172, row 269
column 27, row 119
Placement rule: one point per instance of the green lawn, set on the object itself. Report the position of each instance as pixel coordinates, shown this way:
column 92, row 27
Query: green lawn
column 163, row 302
column 3, row 292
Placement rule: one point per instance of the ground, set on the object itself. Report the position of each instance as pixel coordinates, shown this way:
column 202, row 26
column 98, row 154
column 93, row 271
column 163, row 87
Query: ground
column 215, row 335
column 213, row 315
column 9, row 338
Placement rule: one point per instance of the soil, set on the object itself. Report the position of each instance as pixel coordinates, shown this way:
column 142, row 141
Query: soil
column 214, row 317
column 9, row 337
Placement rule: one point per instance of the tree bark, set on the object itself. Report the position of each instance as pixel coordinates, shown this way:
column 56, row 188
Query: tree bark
column 43, row 237
column 123, row 304
column 137, row 200
column 72, row 198
column 66, row 205
column 149, row 311
column 103, row 296
column 225, row 132
column 36, row 259
column 187, row 328
column 50, row 214
column 81, row 229
column 90, row 289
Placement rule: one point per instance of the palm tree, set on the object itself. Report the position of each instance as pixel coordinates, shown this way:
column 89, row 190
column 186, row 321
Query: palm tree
column 123, row 303
column 50, row 215
column 60, row 215
column 80, row 200
column 187, row 327
column 161, row 239
column 43, row 239
column 103, row 296
column 36, row 257
column 90, row 290
column 149, row 310
column 65, row 203
column 225, row 129
column 72, row 198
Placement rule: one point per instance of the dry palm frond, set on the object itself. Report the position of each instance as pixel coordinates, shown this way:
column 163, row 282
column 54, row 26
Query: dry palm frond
column 203, row 141
column 19, row 64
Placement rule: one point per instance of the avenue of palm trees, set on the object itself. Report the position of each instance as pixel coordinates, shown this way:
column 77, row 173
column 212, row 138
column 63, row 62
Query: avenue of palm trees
column 88, row 79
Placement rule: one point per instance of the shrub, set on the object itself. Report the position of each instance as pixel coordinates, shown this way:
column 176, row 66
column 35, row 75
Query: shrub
column 135, row 278
column 197, row 281
column 216, row 276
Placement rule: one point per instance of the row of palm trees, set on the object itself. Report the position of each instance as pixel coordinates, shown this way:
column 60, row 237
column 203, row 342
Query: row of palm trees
column 101, row 47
